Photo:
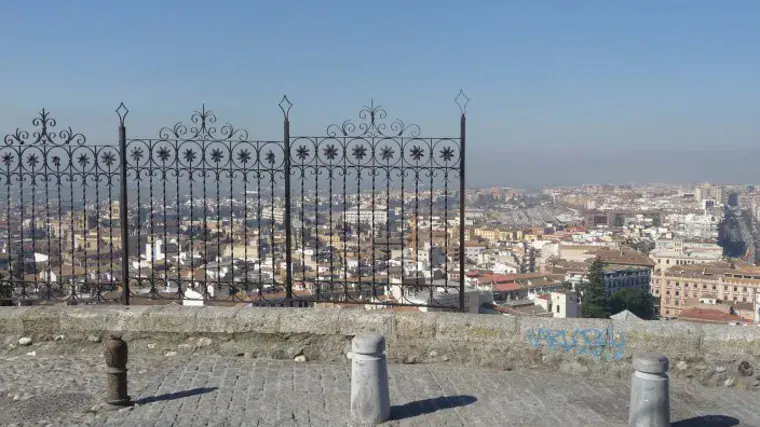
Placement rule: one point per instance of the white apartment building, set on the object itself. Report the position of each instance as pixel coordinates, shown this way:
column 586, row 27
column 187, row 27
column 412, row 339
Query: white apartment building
column 699, row 226
column 565, row 304
column 708, row 191
column 276, row 214
column 364, row 214
column 679, row 252
column 475, row 252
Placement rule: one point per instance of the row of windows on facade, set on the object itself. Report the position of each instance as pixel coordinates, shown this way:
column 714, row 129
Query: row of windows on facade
column 675, row 301
column 678, row 262
column 696, row 286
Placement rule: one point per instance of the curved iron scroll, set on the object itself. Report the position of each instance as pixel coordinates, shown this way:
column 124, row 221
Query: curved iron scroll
column 205, row 191
column 360, row 187
column 354, row 214
column 44, row 134
column 61, row 234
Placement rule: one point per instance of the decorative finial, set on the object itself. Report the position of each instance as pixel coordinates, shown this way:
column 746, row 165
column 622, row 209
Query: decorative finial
column 285, row 106
column 122, row 112
column 462, row 100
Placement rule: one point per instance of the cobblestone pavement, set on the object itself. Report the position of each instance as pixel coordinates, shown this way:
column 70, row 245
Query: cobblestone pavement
column 180, row 391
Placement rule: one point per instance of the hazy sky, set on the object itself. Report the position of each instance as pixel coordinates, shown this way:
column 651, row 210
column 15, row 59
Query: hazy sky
column 567, row 85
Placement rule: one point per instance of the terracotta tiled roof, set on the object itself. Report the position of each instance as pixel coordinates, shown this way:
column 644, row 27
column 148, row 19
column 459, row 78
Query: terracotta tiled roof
column 623, row 256
column 501, row 278
column 708, row 315
column 506, row 287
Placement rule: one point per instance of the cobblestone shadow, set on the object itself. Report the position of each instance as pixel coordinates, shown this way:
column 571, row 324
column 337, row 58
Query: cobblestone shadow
column 428, row 406
column 177, row 395
column 708, row 421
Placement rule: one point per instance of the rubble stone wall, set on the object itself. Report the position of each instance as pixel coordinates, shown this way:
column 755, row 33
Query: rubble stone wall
column 718, row 355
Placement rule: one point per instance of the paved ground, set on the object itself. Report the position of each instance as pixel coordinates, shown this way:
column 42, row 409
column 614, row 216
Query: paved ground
column 175, row 391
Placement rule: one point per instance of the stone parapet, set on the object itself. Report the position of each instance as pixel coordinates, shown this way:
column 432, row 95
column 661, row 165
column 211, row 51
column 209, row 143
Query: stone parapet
column 711, row 354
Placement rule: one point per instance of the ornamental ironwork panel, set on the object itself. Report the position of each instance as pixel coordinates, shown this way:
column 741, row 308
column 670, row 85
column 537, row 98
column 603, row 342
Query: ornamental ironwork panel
column 207, row 198
column 374, row 208
column 59, row 207
column 368, row 212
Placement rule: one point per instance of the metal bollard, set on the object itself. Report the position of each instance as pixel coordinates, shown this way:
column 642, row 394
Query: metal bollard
column 650, row 400
column 116, row 361
column 370, row 399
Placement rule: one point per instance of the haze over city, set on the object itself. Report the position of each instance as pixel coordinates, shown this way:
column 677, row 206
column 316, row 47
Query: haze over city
column 561, row 90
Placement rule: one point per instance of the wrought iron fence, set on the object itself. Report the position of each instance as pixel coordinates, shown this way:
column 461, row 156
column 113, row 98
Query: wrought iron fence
column 370, row 212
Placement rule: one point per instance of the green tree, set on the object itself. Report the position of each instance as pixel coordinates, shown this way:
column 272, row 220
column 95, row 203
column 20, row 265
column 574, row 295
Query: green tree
column 594, row 300
column 636, row 300
column 18, row 267
column 7, row 279
column 6, row 290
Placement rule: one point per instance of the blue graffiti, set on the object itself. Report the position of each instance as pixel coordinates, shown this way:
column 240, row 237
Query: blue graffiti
column 597, row 343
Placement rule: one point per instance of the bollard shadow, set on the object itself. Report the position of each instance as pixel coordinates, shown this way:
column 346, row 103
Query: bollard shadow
column 176, row 395
column 707, row 421
column 427, row 406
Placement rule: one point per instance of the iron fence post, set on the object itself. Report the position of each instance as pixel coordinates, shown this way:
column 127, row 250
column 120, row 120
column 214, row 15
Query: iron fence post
column 123, row 218
column 285, row 106
column 462, row 136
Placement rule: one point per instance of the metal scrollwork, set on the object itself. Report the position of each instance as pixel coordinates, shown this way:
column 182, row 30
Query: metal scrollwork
column 372, row 125
column 45, row 135
column 342, row 216
column 203, row 128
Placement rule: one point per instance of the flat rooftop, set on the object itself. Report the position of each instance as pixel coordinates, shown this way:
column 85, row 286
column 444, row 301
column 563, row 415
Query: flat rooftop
column 218, row 391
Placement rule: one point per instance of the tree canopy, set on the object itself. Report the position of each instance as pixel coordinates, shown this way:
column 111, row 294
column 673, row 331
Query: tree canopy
column 594, row 300
column 636, row 300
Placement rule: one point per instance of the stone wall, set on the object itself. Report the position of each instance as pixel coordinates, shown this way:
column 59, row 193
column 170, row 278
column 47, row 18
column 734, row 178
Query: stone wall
column 710, row 354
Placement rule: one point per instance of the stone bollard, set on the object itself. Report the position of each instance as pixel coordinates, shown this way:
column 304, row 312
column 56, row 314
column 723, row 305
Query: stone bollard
column 370, row 399
column 650, row 400
column 116, row 361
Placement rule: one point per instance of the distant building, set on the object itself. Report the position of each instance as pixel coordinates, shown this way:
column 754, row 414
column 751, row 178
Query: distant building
column 524, row 307
column 732, row 199
column 708, row 191
column 474, row 252
column 623, row 268
column 366, row 215
column 565, row 304
column 619, row 277
column 559, row 303
column 680, row 286
column 710, row 315
column 275, row 214
column 668, row 253
column 442, row 298
column 697, row 226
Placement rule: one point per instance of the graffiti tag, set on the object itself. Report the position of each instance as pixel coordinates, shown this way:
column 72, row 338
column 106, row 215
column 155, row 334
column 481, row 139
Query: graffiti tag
column 598, row 343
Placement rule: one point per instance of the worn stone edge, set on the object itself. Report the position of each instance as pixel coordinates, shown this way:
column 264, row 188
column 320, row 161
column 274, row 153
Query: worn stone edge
column 674, row 338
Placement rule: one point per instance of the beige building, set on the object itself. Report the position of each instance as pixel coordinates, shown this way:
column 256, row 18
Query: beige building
column 239, row 250
column 493, row 235
column 719, row 281
column 669, row 253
